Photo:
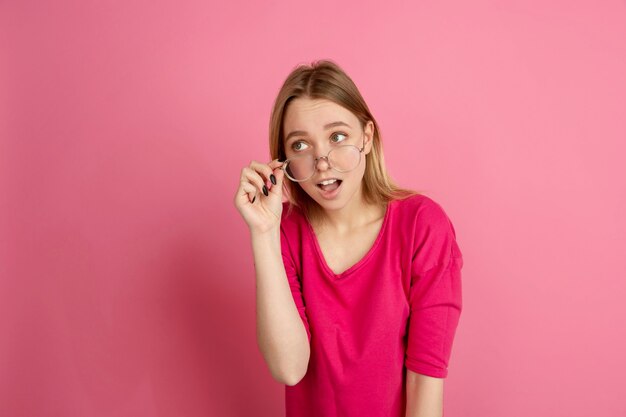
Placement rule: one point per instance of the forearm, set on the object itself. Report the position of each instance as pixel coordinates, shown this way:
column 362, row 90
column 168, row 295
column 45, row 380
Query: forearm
column 281, row 335
column 424, row 395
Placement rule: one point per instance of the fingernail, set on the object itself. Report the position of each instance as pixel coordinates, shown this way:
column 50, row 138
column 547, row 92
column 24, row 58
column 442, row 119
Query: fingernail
column 253, row 198
column 265, row 191
column 273, row 179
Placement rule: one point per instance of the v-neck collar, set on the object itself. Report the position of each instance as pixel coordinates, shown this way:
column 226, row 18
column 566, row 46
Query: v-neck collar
column 358, row 264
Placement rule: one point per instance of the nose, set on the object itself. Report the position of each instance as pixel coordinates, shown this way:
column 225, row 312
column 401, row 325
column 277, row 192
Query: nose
column 322, row 163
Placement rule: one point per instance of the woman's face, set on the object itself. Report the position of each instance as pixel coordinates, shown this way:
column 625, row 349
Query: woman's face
column 314, row 127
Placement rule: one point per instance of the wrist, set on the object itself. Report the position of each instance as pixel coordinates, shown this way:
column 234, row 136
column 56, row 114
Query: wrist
column 265, row 234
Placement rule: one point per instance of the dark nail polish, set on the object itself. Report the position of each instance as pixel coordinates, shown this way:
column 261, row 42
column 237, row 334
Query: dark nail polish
column 265, row 191
column 253, row 198
column 273, row 179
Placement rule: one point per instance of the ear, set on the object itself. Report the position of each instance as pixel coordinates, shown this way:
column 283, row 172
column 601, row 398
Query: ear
column 368, row 137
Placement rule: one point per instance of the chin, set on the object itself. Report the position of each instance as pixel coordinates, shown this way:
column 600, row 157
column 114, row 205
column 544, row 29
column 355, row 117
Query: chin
column 333, row 203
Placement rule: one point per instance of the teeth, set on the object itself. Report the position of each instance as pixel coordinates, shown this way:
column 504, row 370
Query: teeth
column 328, row 181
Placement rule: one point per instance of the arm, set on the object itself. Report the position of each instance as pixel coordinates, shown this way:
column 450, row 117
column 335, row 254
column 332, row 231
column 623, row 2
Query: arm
column 281, row 335
column 436, row 302
column 424, row 395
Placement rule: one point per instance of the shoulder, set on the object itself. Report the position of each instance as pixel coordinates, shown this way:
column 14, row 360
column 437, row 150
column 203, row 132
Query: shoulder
column 291, row 213
column 292, row 234
column 424, row 211
column 433, row 234
column 292, row 221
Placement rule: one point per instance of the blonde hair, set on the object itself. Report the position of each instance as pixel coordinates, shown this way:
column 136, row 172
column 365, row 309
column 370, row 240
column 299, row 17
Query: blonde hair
column 324, row 79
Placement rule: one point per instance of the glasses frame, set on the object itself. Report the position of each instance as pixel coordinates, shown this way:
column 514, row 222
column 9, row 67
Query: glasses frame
column 286, row 162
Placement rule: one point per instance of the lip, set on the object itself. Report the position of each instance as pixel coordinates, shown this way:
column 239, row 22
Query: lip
column 329, row 178
column 329, row 195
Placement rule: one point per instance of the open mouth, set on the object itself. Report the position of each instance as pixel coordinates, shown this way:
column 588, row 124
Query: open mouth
column 330, row 185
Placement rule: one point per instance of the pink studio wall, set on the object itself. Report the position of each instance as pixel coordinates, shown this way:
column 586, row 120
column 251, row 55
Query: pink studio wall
column 126, row 275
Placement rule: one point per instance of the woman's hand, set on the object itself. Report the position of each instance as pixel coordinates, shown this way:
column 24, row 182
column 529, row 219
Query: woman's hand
column 262, row 213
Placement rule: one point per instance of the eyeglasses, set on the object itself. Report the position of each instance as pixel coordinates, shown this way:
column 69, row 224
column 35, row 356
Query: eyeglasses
column 343, row 158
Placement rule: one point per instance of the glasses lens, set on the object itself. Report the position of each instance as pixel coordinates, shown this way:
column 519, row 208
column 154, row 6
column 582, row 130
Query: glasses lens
column 300, row 168
column 344, row 158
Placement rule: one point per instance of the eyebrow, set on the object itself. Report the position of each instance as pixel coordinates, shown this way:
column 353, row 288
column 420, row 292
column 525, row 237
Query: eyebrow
column 326, row 127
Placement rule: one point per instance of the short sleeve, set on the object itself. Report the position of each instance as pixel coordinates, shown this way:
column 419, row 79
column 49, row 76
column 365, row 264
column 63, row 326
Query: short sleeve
column 295, row 283
column 435, row 295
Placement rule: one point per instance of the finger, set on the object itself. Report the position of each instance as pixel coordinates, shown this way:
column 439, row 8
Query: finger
column 253, row 177
column 249, row 190
column 243, row 195
column 264, row 170
column 279, row 174
column 277, row 166
column 275, row 163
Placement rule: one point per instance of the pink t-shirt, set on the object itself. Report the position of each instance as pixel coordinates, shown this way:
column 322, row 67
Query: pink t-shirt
column 397, row 307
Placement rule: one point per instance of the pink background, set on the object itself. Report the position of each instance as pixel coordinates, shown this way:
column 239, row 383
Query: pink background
column 126, row 275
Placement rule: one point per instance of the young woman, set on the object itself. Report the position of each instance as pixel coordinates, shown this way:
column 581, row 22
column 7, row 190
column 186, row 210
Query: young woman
column 358, row 281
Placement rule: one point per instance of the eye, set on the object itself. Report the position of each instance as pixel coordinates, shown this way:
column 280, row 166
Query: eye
column 339, row 134
column 293, row 146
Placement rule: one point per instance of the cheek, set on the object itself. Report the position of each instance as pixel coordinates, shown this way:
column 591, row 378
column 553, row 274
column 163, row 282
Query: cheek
column 307, row 186
column 359, row 172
